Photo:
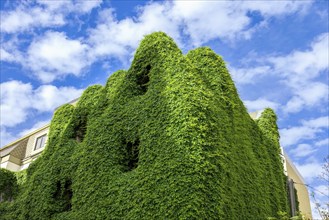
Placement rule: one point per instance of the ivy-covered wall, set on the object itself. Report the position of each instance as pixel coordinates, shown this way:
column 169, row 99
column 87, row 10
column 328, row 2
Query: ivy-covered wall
column 8, row 185
column 167, row 139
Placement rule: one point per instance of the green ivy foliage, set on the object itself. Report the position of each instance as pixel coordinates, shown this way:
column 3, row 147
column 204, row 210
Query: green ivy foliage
column 167, row 139
column 8, row 191
column 8, row 184
column 269, row 128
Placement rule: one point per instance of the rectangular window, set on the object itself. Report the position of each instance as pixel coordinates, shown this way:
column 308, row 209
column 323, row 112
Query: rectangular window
column 40, row 142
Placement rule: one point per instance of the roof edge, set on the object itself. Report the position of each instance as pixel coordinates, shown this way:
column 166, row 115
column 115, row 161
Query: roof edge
column 25, row 136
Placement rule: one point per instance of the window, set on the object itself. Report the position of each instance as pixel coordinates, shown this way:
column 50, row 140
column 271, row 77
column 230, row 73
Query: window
column 40, row 142
column 64, row 194
column 143, row 79
column 131, row 154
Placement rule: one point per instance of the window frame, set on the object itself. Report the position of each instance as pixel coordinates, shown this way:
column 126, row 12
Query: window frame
column 40, row 144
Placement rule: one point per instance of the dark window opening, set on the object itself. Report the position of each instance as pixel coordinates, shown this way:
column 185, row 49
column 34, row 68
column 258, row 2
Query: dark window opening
column 292, row 197
column 143, row 79
column 64, row 194
column 131, row 154
column 80, row 131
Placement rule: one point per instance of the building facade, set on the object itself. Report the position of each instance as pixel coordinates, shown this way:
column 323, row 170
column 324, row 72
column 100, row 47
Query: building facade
column 19, row 154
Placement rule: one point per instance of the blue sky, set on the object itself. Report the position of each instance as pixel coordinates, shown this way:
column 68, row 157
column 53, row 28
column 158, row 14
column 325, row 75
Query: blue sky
column 276, row 52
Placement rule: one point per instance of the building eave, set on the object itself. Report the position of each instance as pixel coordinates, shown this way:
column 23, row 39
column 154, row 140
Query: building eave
column 25, row 136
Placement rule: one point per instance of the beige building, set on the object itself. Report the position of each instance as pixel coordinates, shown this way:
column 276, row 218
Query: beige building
column 19, row 154
column 299, row 184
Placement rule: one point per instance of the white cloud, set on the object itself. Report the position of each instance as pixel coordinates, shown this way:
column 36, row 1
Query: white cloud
column 23, row 19
column 308, row 130
column 300, row 66
column 26, row 17
column 310, row 95
column 54, row 5
column 17, row 99
column 291, row 136
column 48, row 97
column 5, row 136
column 260, row 104
column 49, row 56
column 54, row 55
column 200, row 21
column 320, row 122
column 324, row 142
column 208, row 20
column 86, row 6
column 67, row 6
column 310, row 171
column 315, row 212
column 302, row 150
column 297, row 70
column 273, row 8
column 6, row 56
column 249, row 75
column 120, row 38
column 33, row 128
column 322, row 191
column 9, row 51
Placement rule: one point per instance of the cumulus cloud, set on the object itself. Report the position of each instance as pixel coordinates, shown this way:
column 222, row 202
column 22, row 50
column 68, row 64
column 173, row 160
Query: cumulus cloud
column 208, row 20
column 9, row 51
column 321, row 122
column 36, row 126
column 120, row 38
column 23, row 98
column 260, row 104
column 48, row 97
column 274, row 8
column 198, row 21
column 5, row 136
column 6, row 56
column 14, row 95
column 307, row 96
column 291, row 136
column 300, row 66
column 70, row 6
column 297, row 70
column 204, row 20
column 324, row 142
column 54, row 55
column 310, row 171
column 26, row 17
column 308, row 130
column 23, row 19
column 249, row 75
column 302, row 150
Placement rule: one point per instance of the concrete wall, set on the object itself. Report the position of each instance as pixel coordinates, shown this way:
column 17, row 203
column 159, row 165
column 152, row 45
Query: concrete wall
column 302, row 192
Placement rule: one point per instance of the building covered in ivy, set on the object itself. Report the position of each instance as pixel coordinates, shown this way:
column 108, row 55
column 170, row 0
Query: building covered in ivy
column 167, row 139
